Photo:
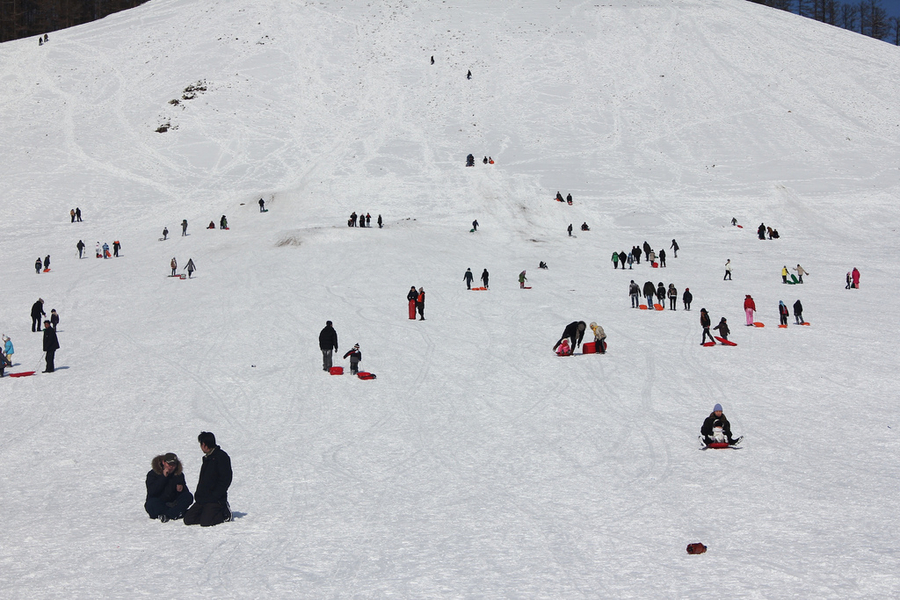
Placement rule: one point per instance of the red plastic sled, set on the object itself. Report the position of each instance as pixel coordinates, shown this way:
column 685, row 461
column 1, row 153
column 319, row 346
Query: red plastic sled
column 336, row 370
column 726, row 342
column 655, row 265
column 643, row 307
column 22, row 374
column 365, row 375
column 659, row 307
column 717, row 445
column 709, row 344
column 527, row 287
column 782, row 327
column 412, row 310
column 805, row 323
column 758, row 324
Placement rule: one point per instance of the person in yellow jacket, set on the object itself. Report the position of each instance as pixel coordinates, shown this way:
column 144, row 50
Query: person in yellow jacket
column 784, row 274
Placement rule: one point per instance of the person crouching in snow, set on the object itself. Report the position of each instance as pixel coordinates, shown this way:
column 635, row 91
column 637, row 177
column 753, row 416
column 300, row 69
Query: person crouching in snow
column 355, row 356
column 717, row 429
column 564, row 349
column 574, row 331
column 167, row 493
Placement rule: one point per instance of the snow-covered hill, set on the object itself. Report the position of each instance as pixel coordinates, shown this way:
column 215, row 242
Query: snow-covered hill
column 478, row 464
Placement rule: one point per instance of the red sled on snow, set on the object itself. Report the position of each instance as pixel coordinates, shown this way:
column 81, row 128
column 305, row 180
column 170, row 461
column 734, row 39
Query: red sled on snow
column 655, row 265
column 726, row 342
column 412, row 310
column 758, row 324
column 365, row 375
column 22, row 374
column 718, row 445
column 336, row 370
column 591, row 348
column 659, row 307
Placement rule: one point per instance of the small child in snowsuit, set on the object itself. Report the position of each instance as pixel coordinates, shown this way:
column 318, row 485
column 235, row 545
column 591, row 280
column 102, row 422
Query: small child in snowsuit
column 355, row 356
column 564, row 349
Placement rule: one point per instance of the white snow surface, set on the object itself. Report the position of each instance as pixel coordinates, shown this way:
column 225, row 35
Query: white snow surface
column 478, row 464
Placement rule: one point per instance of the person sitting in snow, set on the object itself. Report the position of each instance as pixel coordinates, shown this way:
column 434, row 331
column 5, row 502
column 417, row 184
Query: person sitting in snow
column 167, row 492
column 717, row 429
column 563, row 349
column 355, row 356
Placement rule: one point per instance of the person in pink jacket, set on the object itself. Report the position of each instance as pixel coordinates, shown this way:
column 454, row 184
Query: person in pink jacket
column 855, row 276
column 749, row 307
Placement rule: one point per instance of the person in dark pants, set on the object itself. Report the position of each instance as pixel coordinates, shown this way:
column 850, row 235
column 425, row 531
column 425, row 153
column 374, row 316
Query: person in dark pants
column 80, row 246
column 723, row 329
column 687, row 298
column 51, row 345
column 798, row 313
column 116, row 245
column 38, row 265
column 54, row 318
column 211, row 497
column 705, row 323
column 37, row 311
column 262, row 205
column 167, row 493
column 717, row 419
column 328, row 343
column 674, row 248
column 183, row 227
column 649, row 291
column 468, row 277
column 420, row 303
column 662, row 258
column 78, row 214
column 573, row 331
column 484, row 278
column 355, row 356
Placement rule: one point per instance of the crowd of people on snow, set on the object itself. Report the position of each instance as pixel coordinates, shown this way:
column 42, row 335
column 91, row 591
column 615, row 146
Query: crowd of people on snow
column 364, row 220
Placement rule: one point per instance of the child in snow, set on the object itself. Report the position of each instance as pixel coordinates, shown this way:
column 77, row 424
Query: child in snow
column 54, row 318
column 564, row 349
column 522, row 279
column 8, row 349
column 782, row 313
column 599, row 338
column 722, row 328
column 716, row 428
column 355, row 356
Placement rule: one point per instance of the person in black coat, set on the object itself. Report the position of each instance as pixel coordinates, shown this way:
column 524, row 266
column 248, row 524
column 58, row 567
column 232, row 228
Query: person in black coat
column 51, row 345
column 798, row 313
column 761, row 231
column 484, row 278
column 468, row 277
column 37, row 311
column 80, row 246
column 705, row 323
column 717, row 419
column 674, row 248
column 687, row 298
column 661, row 294
column 328, row 343
column 662, row 258
column 575, row 332
column 636, row 253
column 211, row 496
column 167, row 493
column 647, row 249
column 649, row 291
column 622, row 258
column 355, row 355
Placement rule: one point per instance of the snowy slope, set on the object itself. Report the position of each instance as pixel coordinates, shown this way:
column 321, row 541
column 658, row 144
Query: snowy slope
column 478, row 464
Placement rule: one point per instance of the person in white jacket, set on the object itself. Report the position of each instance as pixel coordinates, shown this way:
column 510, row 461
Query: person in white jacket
column 599, row 338
column 800, row 272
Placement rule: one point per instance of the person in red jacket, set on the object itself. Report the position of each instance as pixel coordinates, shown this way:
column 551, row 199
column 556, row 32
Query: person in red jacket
column 749, row 307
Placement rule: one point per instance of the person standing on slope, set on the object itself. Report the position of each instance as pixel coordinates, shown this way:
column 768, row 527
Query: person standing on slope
column 484, row 278
column 615, row 255
column 749, row 307
column 80, row 246
column 660, row 294
column 705, row 323
column 355, row 356
column 727, row 270
column 174, row 264
column 420, row 303
column 328, row 343
column 798, row 313
column 674, row 248
column 190, row 267
column 468, row 277
column 635, row 292
column 599, row 338
column 51, row 345
column 784, row 274
column 782, row 313
column 672, row 294
column 37, row 265
column 183, row 227
column 649, row 291
column 37, row 311
column 522, row 279
column 411, row 297
column 662, row 258
column 800, row 272
column 687, row 298
column 854, row 276
column 722, row 328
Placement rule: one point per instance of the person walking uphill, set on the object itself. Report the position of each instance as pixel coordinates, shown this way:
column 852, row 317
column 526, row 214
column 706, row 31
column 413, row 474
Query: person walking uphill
column 727, row 270
column 749, row 307
column 573, row 331
column 484, row 278
column 328, row 343
column 798, row 313
column 211, row 496
column 522, row 279
column 782, row 313
column 723, row 329
column 37, row 311
column 649, row 292
column 468, row 277
column 51, row 345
